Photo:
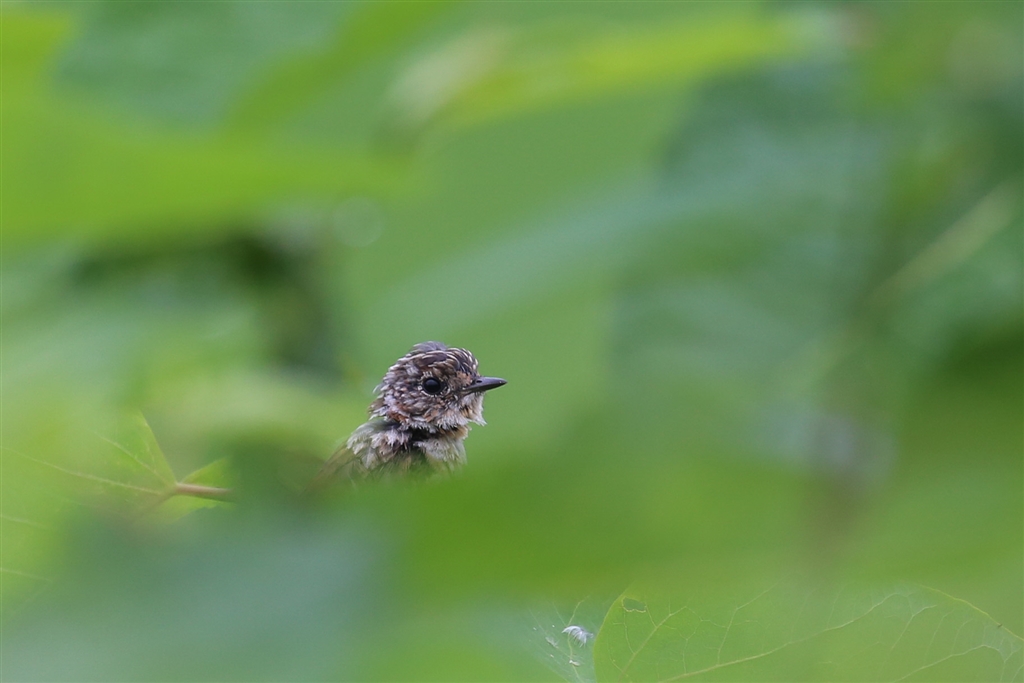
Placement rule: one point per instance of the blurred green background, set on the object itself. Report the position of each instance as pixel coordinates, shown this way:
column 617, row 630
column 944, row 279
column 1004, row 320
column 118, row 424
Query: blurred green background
column 753, row 272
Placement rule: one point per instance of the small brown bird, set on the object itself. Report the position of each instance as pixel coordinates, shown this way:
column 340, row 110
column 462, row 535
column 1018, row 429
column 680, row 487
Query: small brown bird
column 419, row 418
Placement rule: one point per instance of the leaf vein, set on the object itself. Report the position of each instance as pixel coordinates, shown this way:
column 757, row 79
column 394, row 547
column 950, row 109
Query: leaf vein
column 135, row 458
column 784, row 645
column 92, row 477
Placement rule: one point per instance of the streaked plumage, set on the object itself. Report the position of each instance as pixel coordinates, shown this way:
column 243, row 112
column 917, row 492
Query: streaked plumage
column 423, row 409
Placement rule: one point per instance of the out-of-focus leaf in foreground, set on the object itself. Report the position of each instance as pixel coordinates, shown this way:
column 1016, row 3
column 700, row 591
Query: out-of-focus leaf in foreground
column 200, row 607
column 563, row 637
column 790, row 632
column 120, row 470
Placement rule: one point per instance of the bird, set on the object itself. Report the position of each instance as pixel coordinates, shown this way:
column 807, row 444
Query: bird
column 419, row 417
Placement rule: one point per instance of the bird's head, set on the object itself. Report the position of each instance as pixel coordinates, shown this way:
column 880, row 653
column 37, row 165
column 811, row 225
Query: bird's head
column 434, row 388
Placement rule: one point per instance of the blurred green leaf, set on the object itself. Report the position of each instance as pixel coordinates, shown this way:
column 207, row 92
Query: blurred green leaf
column 797, row 633
column 119, row 469
column 72, row 174
column 563, row 637
column 217, row 476
column 493, row 72
column 124, row 468
column 201, row 607
column 369, row 31
column 120, row 52
column 73, row 171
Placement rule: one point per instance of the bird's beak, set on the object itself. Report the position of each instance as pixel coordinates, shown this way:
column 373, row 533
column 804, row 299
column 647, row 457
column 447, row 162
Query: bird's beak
column 485, row 384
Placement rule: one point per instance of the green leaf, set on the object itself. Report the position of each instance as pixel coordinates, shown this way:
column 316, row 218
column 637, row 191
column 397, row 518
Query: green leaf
column 72, row 169
column 119, row 468
column 112, row 180
column 793, row 632
column 120, row 51
column 562, row 637
column 370, row 31
column 493, row 73
column 301, row 595
column 124, row 466
column 217, row 475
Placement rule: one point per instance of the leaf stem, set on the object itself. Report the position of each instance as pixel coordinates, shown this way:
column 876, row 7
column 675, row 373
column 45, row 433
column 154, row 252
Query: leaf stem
column 200, row 491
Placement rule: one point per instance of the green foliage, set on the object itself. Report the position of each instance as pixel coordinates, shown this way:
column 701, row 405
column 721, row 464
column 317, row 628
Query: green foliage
column 753, row 273
column 789, row 632
column 563, row 638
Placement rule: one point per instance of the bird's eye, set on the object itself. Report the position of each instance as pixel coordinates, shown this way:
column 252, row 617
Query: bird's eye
column 432, row 386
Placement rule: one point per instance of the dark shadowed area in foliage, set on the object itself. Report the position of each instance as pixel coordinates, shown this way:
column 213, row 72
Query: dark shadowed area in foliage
column 753, row 273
